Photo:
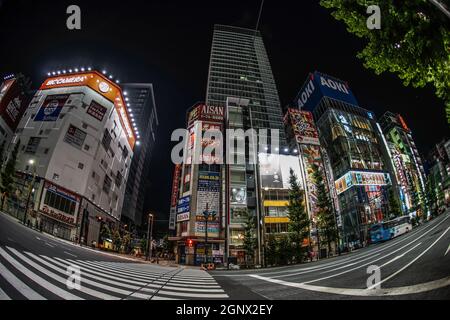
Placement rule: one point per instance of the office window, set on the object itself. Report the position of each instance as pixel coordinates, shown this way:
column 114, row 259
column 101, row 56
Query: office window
column 107, row 184
column 59, row 202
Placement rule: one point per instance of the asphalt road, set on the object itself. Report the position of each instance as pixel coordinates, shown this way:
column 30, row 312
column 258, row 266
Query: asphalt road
column 413, row 266
column 37, row 266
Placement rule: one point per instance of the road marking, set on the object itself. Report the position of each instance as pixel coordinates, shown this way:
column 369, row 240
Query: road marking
column 417, row 288
column 83, row 289
column 51, row 246
column 41, row 281
column 193, row 295
column 400, row 256
column 38, row 238
column 389, row 254
column 23, row 289
column 3, row 295
column 448, row 249
column 9, row 239
column 70, row 254
column 412, row 261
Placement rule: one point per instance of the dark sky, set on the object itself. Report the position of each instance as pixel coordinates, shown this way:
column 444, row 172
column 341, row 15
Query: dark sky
column 168, row 44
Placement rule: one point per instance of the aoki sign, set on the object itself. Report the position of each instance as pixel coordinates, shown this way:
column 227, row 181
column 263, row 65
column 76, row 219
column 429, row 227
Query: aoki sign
column 320, row 85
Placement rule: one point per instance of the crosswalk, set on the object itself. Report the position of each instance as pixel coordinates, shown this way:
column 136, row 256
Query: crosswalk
column 26, row 275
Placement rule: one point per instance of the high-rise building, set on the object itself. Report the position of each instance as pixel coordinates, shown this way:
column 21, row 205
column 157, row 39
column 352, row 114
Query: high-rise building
column 408, row 165
column 240, row 68
column 15, row 94
column 354, row 145
column 75, row 144
column 140, row 101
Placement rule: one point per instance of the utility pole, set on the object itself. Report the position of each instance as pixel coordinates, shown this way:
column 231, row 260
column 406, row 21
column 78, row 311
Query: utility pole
column 149, row 235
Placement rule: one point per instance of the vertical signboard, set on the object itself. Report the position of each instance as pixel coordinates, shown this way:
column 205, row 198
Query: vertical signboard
column 174, row 196
column 12, row 103
column 208, row 198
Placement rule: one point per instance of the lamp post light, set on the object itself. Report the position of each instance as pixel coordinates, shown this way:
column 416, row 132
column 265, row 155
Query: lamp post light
column 30, row 190
column 207, row 214
column 149, row 236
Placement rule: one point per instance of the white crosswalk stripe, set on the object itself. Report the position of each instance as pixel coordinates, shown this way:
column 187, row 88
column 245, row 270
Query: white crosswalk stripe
column 39, row 277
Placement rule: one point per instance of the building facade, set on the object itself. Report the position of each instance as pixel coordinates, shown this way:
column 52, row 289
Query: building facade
column 76, row 145
column 141, row 105
column 409, row 169
column 359, row 163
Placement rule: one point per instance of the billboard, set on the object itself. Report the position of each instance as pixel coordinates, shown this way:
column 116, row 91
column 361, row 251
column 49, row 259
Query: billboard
column 52, row 204
column 96, row 110
column 208, row 198
column 75, row 137
column 312, row 156
column 184, row 205
column 51, row 108
column 274, row 170
column 12, row 103
column 356, row 178
column 320, row 85
column 203, row 112
column 302, row 123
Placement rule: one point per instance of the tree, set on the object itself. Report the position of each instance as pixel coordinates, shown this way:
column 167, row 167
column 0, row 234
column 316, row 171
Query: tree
column 272, row 250
column 117, row 240
column 413, row 41
column 2, row 149
column 126, row 241
column 299, row 225
column 395, row 209
column 285, row 249
column 7, row 175
column 431, row 198
column 249, row 238
column 326, row 223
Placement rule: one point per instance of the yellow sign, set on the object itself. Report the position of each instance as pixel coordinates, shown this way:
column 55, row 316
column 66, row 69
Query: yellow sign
column 272, row 220
column 269, row 203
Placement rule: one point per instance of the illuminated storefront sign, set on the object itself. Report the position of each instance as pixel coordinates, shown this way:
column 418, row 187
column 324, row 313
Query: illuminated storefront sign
column 102, row 86
column 355, row 178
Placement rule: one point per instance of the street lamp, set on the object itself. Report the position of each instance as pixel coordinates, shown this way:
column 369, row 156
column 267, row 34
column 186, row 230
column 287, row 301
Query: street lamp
column 30, row 190
column 149, row 235
column 207, row 214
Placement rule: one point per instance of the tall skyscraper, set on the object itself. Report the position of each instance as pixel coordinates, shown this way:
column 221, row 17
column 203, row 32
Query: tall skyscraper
column 141, row 105
column 240, row 68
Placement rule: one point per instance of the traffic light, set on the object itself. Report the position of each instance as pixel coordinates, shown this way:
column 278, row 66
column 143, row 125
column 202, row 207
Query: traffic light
column 190, row 243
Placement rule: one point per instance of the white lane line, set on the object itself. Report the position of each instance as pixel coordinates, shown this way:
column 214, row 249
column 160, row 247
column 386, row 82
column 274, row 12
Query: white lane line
column 400, row 256
column 150, row 275
column 412, row 261
column 23, row 289
column 159, row 298
column 193, row 295
column 417, row 288
column 371, row 262
column 48, row 244
column 11, row 240
column 448, row 249
column 99, row 285
column 370, row 252
column 38, row 238
column 83, row 289
column 3, row 295
column 40, row 281
column 70, row 254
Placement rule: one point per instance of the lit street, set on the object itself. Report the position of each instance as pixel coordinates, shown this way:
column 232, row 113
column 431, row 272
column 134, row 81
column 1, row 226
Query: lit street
column 413, row 266
column 34, row 266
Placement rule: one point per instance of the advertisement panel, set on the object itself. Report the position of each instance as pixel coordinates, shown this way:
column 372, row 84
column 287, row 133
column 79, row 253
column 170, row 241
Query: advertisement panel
column 183, row 217
column 59, row 203
column 51, row 108
column 356, row 178
column 319, row 85
column 203, row 112
column 96, row 110
column 175, row 185
column 12, row 103
column 75, row 137
column 208, row 198
column 302, row 123
column 184, row 205
column 312, row 156
column 275, row 170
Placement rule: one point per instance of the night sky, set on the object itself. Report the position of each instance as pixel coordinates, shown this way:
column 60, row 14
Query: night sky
column 167, row 43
